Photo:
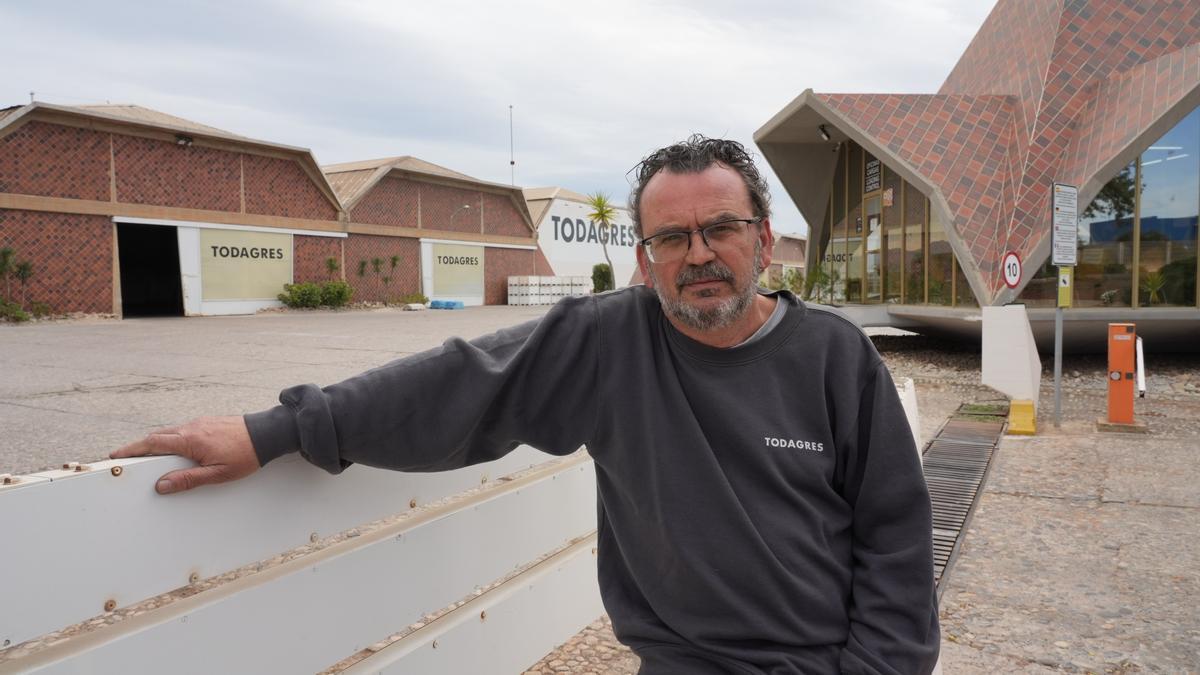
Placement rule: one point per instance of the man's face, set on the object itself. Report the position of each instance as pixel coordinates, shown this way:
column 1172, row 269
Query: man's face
column 705, row 290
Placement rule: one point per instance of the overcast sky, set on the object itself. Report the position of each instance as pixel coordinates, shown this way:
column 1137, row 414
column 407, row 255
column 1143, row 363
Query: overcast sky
column 594, row 86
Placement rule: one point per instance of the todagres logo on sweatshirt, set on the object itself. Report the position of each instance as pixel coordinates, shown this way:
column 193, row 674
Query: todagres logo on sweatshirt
column 798, row 444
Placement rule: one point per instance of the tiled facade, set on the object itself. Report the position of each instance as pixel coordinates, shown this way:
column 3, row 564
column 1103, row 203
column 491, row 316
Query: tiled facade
column 1048, row 91
column 310, row 256
column 161, row 173
column 500, row 217
column 393, row 201
column 279, row 187
column 370, row 270
column 72, row 257
column 501, row 263
column 51, row 160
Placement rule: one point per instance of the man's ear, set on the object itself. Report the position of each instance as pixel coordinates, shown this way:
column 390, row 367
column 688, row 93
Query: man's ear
column 767, row 238
column 644, row 266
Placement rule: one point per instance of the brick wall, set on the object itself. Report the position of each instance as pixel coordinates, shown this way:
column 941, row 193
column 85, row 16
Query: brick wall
column 404, row 278
column 49, row 160
column 498, row 265
column 158, row 172
column 310, row 256
column 441, row 208
column 280, row 187
column 500, row 216
column 71, row 256
column 392, row 201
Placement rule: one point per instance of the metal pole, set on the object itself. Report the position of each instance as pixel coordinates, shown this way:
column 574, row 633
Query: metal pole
column 512, row 159
column 1058, row 331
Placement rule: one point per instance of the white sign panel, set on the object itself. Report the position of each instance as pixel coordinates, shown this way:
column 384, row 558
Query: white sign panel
column 1011, row 267
column 1066, row 223
column 573, row 243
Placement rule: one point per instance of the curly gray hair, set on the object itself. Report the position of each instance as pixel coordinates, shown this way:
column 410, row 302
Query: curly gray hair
column 694, row 155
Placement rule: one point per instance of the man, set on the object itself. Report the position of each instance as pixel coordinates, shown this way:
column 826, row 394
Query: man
column 762, row 507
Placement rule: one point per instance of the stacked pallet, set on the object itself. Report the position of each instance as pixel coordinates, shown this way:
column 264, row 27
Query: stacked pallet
column 534, row 290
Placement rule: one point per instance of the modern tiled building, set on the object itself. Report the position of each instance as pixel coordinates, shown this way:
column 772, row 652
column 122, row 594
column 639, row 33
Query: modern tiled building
column 126, row 210
column 913, row 200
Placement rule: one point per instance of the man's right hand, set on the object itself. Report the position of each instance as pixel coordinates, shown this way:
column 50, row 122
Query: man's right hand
column 221, row 447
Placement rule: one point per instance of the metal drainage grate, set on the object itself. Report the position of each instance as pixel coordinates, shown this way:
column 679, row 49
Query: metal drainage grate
column 955, row 464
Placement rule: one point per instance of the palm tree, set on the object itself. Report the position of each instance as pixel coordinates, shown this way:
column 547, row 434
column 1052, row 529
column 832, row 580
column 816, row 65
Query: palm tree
column 22, row 272
column 603, row 213
column 6, row 265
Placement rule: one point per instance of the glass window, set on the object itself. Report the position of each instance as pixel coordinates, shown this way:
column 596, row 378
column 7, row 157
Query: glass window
column 893, row 224
column 834, row 261
column 963, row 295
column 1042, row 289
column 874, row 249
column 914, row 245
column 855, row 228
column 1104, row 263
column 1169, row 205
column 941, row 262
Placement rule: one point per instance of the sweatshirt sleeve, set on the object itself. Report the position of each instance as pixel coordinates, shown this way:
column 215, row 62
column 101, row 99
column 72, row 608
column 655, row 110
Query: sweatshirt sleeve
column 463, row 403
column 893, row 604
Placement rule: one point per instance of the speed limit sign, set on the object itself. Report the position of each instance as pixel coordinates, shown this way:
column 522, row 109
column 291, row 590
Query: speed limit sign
column 1011, row 266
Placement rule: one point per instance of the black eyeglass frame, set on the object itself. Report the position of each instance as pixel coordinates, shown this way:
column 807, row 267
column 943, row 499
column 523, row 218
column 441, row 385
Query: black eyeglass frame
column 645, row 243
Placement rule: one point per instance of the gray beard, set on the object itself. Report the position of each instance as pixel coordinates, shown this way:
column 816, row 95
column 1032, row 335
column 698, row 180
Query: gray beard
column 723, row 315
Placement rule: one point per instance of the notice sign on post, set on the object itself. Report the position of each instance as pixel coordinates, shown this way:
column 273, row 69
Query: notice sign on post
column 1066, row 223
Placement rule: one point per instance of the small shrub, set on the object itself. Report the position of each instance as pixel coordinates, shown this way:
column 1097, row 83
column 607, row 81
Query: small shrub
column 301, row 295
column 335, row 293
column 11, row 311
column 412, row 299
column 40, row 309
column 602, row 278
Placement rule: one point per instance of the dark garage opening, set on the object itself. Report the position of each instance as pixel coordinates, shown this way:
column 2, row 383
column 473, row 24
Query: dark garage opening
column 149, row 259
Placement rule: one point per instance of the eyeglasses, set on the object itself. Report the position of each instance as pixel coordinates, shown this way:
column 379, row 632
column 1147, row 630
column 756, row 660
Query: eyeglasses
column 720, row 236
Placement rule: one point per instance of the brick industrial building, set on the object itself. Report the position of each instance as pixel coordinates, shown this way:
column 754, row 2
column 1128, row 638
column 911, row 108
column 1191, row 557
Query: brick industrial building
column 127, row 210
column 914, row 199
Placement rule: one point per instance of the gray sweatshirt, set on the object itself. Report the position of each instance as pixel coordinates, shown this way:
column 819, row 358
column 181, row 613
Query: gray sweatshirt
column 761, row 508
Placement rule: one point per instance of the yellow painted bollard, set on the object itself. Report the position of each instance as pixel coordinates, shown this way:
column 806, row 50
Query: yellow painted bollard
column 1022, row 418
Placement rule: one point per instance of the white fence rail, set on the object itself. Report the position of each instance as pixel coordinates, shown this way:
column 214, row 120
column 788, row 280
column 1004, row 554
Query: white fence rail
column 81, row 544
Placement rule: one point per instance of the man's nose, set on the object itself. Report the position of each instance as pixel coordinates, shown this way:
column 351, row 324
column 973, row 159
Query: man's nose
column 698, row 250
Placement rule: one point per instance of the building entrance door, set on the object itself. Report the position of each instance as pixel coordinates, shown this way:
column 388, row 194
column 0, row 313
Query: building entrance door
column 149, row 260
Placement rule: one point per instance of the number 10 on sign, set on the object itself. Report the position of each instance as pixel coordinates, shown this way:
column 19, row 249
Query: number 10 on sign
column 1011, row 266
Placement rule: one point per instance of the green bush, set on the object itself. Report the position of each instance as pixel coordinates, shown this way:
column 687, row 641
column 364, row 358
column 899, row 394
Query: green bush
column 11, row 311
column 335, row 293
column 412, row 299
column 301, row 295
column 602, row 278
column 40, row 309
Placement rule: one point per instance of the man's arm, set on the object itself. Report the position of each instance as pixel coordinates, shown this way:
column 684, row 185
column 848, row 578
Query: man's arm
column 893, row 603
column 460, row 404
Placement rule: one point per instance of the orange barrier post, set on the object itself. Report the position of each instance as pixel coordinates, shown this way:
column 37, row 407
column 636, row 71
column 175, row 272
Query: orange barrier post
column 1122, row 366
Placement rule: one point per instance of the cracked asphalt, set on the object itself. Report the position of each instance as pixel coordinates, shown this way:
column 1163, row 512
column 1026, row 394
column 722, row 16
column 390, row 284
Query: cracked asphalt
column 1082, row 555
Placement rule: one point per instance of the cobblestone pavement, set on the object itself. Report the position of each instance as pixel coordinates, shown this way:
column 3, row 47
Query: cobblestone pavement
column 1081, row 556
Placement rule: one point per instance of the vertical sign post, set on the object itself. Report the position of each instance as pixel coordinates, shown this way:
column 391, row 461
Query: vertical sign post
column 1064, row 248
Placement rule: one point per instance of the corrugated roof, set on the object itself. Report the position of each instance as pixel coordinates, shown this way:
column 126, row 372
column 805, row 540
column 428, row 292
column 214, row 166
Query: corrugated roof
column 351, row 180
column 534, row 194
column 136, row 113
column 348, row 184
column 404, row 163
